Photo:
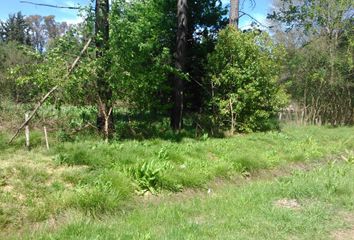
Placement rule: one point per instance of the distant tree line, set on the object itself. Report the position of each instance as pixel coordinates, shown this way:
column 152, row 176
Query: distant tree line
column 319, row 71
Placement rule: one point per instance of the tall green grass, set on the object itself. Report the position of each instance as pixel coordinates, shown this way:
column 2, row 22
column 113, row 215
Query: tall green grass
column 192, row 162
column 98, row 179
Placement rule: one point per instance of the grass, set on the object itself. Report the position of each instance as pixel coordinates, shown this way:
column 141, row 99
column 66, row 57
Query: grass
column 86, row 182
column 192, row 163
column 324, row 198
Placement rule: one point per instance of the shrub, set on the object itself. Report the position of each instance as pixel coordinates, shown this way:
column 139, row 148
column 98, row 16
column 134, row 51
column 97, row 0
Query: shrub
column 244, row 70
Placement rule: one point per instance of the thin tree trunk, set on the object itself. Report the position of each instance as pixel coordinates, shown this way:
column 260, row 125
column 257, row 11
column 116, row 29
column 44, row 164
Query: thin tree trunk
column 234, row 13
column 180, row 64
column 105, row 126
column 232, row 128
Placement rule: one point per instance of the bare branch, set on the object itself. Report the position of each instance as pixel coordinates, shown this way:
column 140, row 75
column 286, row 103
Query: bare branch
column 50, row 5
column 252, row 3
column 254, row 19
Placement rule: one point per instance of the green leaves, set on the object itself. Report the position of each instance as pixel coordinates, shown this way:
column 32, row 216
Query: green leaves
column 147, row 175
column 244, row 69
column 140, row 52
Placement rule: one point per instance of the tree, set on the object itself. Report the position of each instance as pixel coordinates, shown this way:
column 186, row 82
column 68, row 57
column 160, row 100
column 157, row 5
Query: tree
column 15, row 29
column 244, row 70
column 320, row 68
column 13, row 55
column 234, row 12
column 105, row 105
column 143, row 66
column 180, row 64
column 37, row 34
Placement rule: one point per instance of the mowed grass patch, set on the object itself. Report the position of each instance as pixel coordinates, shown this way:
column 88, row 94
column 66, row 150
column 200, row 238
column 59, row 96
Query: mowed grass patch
column 305, row 205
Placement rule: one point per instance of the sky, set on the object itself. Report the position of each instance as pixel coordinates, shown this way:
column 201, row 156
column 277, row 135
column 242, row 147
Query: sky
column 12, row 6
column 259, row 12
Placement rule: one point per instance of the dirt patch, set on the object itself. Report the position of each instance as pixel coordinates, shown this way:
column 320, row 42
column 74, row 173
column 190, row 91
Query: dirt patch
column 288, row 203
column 8, row 188
column 345, row 234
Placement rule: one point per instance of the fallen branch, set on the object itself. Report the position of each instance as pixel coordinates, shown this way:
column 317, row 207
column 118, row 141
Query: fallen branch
column 88, row 125
column 40, row 103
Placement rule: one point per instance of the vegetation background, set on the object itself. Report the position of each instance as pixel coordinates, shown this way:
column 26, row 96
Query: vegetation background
column 172, row 96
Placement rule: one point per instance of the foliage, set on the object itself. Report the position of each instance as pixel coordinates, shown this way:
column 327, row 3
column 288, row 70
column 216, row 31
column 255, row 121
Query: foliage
column 324, row 92
column 140, row 53
column 147, row 175
column 45, row 29
column 244, row 70
column 13, row 55
column 51, row 69
column 143, row 47
column 314, row 16
column 319, row 70
column 15, row 29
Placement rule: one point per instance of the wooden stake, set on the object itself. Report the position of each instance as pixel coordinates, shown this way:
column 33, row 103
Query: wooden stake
column 46, row 137
column 27, row 132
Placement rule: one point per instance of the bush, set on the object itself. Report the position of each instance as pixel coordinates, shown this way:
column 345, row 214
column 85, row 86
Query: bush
column 244, row 70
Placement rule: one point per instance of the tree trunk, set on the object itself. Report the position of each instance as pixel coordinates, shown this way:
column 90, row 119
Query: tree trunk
column 105, row 122
column 180, row 64
column 234, row 12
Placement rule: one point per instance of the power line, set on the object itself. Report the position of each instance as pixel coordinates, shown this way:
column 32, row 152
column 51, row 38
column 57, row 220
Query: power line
column 49, row 5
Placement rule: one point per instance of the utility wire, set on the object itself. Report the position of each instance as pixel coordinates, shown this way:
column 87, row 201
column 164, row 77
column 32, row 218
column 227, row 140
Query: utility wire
column 49, row 5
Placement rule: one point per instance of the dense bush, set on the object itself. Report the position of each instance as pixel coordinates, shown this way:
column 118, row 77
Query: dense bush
column 244, row 70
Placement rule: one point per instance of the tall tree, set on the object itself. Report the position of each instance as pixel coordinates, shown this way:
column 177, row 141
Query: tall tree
column 234, row 12
column 105, row 106
column 180, row 64
column 36, row 32
column 15, row 29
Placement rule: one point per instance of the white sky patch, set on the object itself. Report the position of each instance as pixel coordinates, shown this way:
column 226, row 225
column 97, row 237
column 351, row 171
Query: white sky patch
column 70, row 3
column 75, row 20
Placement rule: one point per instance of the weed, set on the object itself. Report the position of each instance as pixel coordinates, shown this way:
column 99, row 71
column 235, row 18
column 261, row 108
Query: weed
column 147, row 175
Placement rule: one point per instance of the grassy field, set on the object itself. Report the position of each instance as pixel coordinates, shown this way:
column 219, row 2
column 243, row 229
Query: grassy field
column 306, row 205
column 91, row 190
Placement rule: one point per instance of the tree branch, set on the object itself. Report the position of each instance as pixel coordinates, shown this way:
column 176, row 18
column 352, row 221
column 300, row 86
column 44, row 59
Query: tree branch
column 50, row 5
column 40, row 103
column 254, row 19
